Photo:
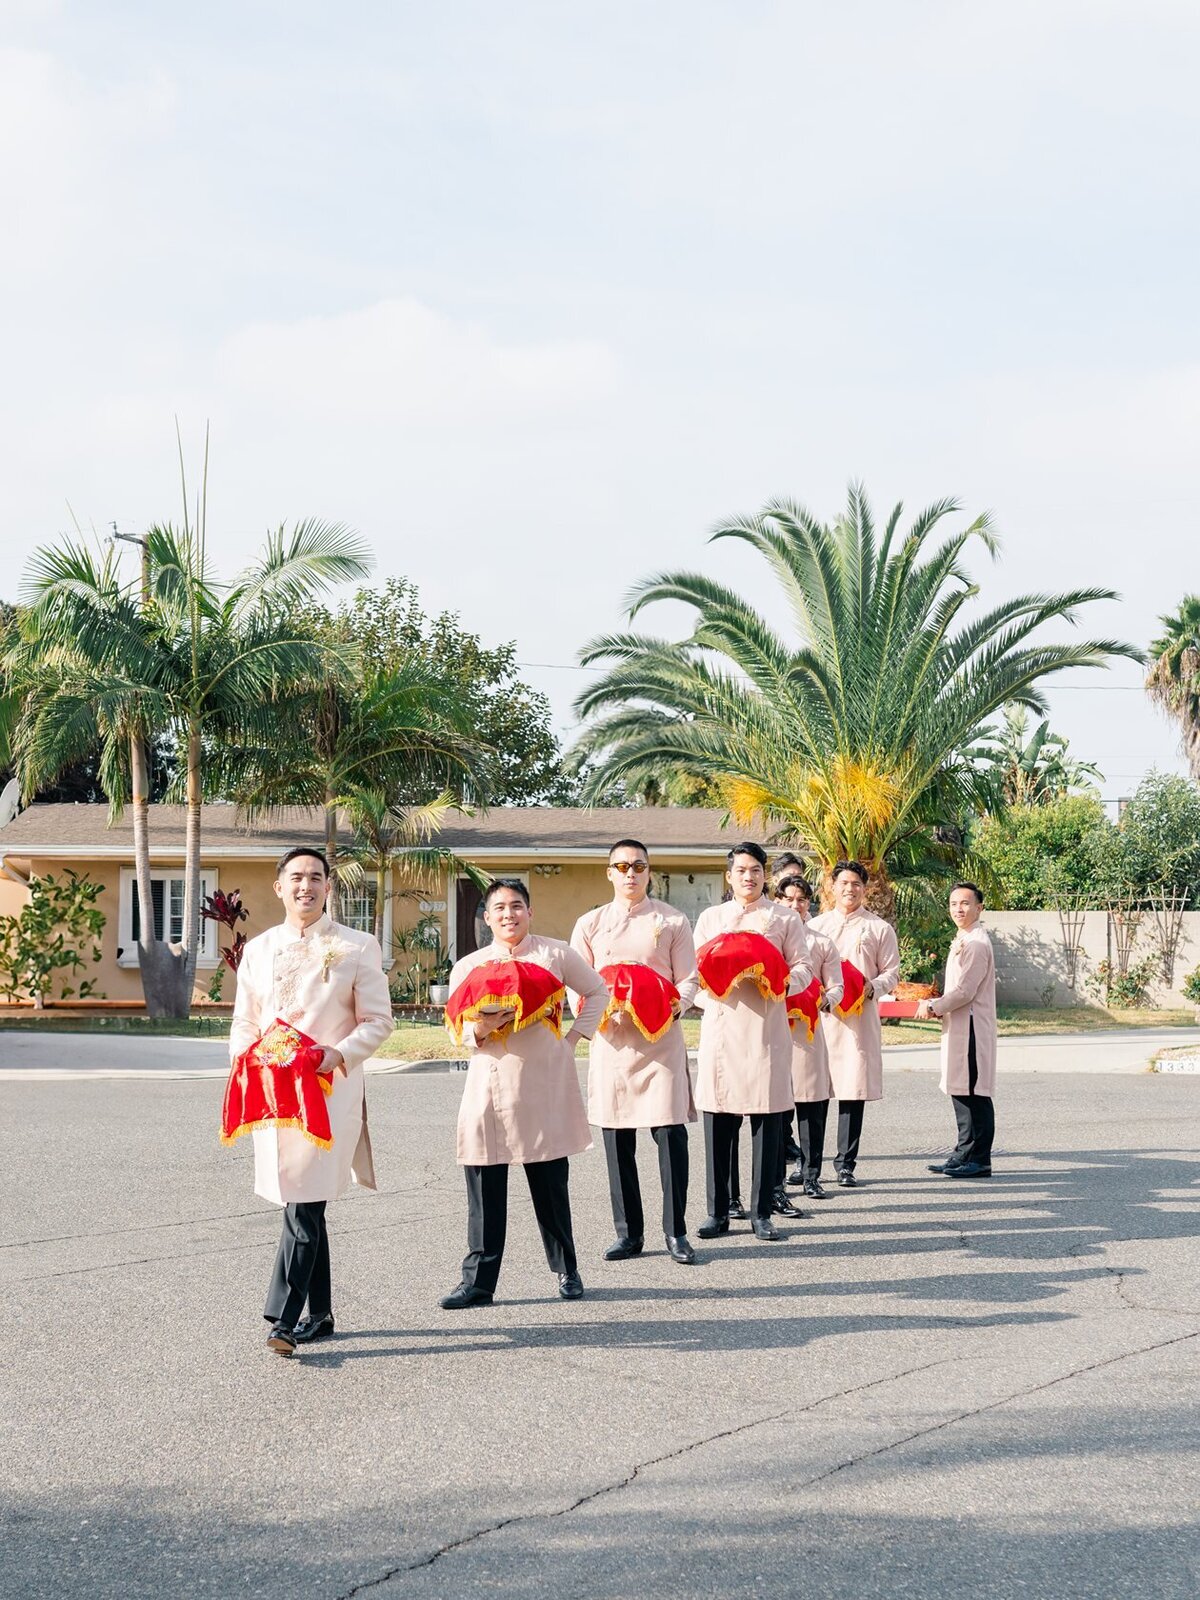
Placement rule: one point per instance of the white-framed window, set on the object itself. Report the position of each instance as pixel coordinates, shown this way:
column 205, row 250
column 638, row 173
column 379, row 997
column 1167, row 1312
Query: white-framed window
column 167, row 886
column 356, row 909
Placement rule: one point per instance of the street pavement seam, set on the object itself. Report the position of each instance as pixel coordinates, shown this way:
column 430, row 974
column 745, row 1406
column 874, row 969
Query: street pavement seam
column 996, row 1405
column 628, row 1478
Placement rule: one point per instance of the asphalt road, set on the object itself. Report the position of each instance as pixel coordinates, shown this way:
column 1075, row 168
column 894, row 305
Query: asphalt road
column 930, row 1389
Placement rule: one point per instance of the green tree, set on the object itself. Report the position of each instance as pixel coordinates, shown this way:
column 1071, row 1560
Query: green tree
column 520, row 761
column 849, row 736
column 1173, row 681
column 1160, row 836
column 392, row 733
column 54, row 936
column 403, row 839
column 1035, row 855
column 102, row 661
column 1029, row 768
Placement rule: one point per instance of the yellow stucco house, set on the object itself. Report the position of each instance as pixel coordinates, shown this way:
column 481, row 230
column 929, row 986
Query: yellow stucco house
column 559, row 852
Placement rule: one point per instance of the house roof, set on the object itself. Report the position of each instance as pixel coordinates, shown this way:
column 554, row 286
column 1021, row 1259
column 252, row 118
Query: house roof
column 82, row 831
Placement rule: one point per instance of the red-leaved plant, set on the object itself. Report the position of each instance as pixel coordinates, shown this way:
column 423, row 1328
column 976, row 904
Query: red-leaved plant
column 228, row 910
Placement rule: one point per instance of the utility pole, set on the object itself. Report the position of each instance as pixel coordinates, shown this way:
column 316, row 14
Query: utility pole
column 144, row 545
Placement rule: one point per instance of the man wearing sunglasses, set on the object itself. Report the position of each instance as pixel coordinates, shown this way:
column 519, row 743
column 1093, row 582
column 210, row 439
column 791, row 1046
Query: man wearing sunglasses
column 638, row 1077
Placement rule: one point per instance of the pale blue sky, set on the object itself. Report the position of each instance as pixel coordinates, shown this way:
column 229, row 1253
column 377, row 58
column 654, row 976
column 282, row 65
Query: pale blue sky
column 534, row 293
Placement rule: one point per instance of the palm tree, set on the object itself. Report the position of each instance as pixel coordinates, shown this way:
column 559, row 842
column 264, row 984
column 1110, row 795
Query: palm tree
column 398, row 733
column 401, row 838
column 849, row 736
column 1174, row 678
column 102, row 661
column 1028, row 768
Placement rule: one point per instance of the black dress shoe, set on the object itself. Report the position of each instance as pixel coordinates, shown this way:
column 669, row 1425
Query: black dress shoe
column 712, row 1226
column 781, row 1205
column 738, row 1211
column 796, row 1177
column 945, row 1166
column 465, row 1295
column 792, row 1151
column 846, row 1179
column 814, row 1190
column 764, row 1228
column 679, row 1249
column 622, row 1249
column 310, row 1329
column 969, row 1169
column 281, row 1340
column 570, row 1286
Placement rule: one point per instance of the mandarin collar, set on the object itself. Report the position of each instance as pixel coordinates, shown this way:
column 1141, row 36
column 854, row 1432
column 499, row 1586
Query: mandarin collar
column 763, row 901
column 322, row 926
column 644, row 906
column 503, row 953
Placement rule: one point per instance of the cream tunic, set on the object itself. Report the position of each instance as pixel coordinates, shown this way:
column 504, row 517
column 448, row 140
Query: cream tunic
column 521, row 1100
column 745, row 1057
column 631, row 1082
column 810, row 1058
column 970, row 997
column 854, row 1043
column 328, row 981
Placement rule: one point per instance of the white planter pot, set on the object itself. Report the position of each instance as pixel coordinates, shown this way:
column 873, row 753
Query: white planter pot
column 439, row 993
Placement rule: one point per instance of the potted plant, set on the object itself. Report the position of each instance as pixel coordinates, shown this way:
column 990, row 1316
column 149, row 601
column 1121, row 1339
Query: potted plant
column 439, row 988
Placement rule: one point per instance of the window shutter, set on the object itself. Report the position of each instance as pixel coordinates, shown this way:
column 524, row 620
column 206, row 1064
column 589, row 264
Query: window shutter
column 156, row 900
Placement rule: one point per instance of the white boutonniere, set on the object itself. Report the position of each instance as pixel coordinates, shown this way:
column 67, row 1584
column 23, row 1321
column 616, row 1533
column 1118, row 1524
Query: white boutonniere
column 764, row 919
column 331, row 951
column 658, row 925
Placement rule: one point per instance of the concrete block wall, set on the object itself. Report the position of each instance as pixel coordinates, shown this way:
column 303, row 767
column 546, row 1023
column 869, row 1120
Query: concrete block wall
column 1031, row 967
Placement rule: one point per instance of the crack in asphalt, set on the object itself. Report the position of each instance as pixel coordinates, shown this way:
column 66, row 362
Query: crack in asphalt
column 630, row 1477
column 194, row 1255
column 431, row 1181
column 1119, row 1274
column 623, row 1482
column 995, row 1405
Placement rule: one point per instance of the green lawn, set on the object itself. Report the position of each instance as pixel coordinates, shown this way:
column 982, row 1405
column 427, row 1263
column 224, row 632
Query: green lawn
column 418, row 1041
column 151, row 1027
column 422, row 1041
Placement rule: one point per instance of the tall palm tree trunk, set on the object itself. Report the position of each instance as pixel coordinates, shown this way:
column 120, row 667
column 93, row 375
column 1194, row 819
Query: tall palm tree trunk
column 380, row 899
column 191, row 870
column 331, row 854
column 155, row 962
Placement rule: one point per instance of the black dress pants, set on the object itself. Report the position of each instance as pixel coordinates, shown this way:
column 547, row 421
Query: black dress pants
column 850, row 1121
column 487, row 1219
column 301, row 1270
column 811, row 1116
column 735, row 1176
column 810, row 1124
column 720, row 1130
column 625, row 1192
column 975, row 1114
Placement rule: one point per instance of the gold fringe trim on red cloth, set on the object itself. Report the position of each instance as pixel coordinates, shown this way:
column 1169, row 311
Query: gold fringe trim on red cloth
column 549, row 1013
column 758, row 973
column 614, row 1006
column 277, row 1122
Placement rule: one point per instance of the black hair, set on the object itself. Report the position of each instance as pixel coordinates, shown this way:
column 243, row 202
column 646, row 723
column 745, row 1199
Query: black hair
column 628, row 844
column 793, row 881
column 963, row 884
column 748, row 848
column 856, row 867
column 497, row 884
column 301, row 850
column 786, row 860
